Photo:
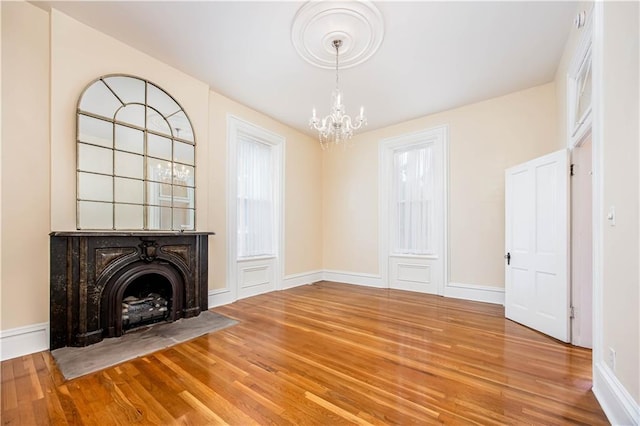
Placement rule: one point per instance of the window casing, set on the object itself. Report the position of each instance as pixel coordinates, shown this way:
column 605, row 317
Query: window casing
column 135, row 158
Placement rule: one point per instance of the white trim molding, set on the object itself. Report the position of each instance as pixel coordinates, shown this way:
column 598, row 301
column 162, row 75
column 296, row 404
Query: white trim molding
column 616, row 402
column 476, row 293
column 296, row 280
column 366, row 280
column 220, row 297
column 25, row 340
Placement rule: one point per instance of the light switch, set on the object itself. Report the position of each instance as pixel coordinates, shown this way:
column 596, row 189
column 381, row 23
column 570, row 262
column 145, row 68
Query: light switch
column 611, row 217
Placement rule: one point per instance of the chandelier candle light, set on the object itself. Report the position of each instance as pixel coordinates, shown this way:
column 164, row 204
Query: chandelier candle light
column 336, row 127
column 172, row 171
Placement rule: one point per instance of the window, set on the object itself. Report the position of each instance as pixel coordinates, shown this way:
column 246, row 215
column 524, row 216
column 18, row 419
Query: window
column 135, row 158
column 255, row 209
column 412, row 200
column 412, row 210
column 580, row 85
column 255, row 198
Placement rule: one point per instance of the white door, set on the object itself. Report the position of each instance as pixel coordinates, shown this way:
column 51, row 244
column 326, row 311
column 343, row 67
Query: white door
column 536, row 242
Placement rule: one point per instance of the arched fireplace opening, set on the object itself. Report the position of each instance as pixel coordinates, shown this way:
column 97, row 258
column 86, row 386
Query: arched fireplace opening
column 146, row 300
column 143, row 293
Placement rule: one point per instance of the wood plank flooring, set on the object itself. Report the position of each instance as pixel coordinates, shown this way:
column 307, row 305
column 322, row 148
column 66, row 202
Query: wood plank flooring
column 327, row 354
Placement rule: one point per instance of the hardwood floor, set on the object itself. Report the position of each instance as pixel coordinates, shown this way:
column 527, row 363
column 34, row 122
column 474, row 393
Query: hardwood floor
column 326, row 354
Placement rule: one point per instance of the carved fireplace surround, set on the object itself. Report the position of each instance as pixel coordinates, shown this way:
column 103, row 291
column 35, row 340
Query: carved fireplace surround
column 91, row 271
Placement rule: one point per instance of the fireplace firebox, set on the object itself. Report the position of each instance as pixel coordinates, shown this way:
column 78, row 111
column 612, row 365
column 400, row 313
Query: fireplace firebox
column 105, row 283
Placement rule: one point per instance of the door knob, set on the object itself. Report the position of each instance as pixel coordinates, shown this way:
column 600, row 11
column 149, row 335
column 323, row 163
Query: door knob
column 508, row 257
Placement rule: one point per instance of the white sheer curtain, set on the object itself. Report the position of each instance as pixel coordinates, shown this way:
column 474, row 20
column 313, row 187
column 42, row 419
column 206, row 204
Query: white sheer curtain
column 255, row 198
column 412, row 200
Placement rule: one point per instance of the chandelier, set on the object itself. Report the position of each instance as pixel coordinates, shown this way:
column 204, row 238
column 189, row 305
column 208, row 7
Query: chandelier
column 338, row 126
column 173, row 172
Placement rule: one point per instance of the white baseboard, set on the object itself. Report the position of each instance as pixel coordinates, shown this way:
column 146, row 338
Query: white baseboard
column 25, row 340
column 295, row 280
column 220, row 297
column 367, row 280
column 477, row 293
column 616, row 402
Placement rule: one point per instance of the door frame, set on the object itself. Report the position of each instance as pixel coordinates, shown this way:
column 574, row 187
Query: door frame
column 577, row 339
column 236, row 125
column 589, row 49
column 385, row 150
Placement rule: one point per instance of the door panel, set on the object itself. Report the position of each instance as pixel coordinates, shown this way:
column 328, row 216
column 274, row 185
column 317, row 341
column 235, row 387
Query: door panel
column 536, row 219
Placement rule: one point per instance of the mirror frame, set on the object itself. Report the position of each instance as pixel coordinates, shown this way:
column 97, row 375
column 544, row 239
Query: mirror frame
column 171, row 182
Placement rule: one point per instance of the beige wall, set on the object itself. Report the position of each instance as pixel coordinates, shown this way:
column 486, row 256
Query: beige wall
column 484, row 139
column 79, row 55
column 42, row 50
column 620, row 136
column 302, row 200
column 25, row 165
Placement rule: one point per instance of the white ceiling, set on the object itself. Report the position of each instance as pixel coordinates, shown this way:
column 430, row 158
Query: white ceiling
column 434, row 56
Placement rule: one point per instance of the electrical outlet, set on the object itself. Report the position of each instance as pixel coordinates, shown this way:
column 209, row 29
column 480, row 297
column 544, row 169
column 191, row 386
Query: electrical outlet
column 612, row 359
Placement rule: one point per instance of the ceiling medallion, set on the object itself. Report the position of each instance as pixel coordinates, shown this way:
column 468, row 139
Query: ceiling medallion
column 358, row 24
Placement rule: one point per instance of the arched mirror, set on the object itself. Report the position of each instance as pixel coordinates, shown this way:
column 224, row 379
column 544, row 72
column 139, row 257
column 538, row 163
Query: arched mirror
column 135, row 158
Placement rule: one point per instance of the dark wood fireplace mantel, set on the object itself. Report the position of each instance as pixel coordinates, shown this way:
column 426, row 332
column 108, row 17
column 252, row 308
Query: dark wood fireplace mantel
column 91, row 270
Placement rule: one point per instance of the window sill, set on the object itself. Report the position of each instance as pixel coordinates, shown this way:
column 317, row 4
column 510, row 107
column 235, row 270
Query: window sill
column 415, row 256
column 252, row 258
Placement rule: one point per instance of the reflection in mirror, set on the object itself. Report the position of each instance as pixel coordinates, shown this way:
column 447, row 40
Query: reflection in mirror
column 160, row 101
column 129, row 176
column 183, row 153
column 128, row 139
column 157, row 123
column 159, row 170
column 99, row 100
column 96, row 215
column 94, row 159
column 94, row 131
column 132, row 114
column 183, row 218
column 182, row 175
column 129, row 216
column 95, row 187
column 158, row 147
column 129, row 90
column 128, row 165
column 159, row 217
column 129, row 191
column 180, row 123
